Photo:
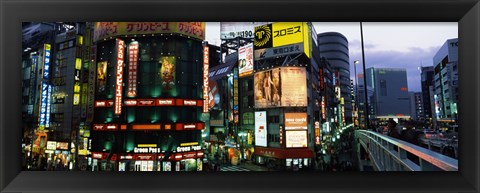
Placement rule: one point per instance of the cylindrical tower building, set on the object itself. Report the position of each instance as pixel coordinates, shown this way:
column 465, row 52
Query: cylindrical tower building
column 334, row 47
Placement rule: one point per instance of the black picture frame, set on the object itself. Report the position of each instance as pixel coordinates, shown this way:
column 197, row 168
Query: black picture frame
column 13, row 13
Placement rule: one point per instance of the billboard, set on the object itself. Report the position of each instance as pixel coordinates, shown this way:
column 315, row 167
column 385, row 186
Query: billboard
column 295, row 121
column 282, row 34
column 46, row 63
column 245, row 60
column 296, row 139
column 102, row 76
column 167, row 72
column 294, row 86
column 132, row 69
column 265, row 53
column 104, row 30
column 232, row 30
column 261, row 128
column 119, row 78
column 284, row 86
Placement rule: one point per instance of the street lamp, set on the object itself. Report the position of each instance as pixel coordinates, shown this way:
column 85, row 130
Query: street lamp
column 367, row 124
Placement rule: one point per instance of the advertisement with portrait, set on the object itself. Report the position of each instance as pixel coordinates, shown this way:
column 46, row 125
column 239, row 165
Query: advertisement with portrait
column 284, row 86
column 261, row 128
column 103, row 30
column 296, row 139
column 296, row 121
column 268, row 91
column 245, row 60
column 167, row 72
column 213, row 95
column 102, row 76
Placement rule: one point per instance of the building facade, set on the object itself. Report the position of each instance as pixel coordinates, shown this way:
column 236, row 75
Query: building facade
column 446, row 82
column 149, row 96
column 416, row 106
column 427, row 85
column 391, row 98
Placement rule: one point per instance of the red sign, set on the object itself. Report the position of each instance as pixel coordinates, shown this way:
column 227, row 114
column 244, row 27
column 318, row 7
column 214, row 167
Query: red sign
column 132, row 69
column 322, row 81
column 284, row 153
column 205, row 78
column 119, row 82
column 97, row 127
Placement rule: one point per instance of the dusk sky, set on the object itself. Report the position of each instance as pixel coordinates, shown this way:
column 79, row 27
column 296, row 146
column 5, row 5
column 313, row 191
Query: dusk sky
column 389, row 45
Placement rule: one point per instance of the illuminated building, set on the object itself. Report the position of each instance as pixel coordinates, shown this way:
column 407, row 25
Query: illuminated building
column 427, row 85
column 334, row 47
column 53, row 85
column 445, row 80
column 149, row 96
column 416, row 106
column 286, row 95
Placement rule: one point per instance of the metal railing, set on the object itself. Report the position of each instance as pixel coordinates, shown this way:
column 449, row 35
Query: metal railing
column 390, row 154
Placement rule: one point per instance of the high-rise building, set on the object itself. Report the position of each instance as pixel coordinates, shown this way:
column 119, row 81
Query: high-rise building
column 390, row 99
column 416, row 106
column 286, row 92
column 151, row 83
column 446, row 82
column 427, row 85
column 54, row 104
column 334, row 47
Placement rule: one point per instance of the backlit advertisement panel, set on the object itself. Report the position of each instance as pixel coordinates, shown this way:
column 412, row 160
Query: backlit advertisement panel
column 261, row 128
column 282, row 34
column 294, row 86
column 284, row 86
column 268, row 91
column 296, row 139
column 295, row 121
column 43, row 106
column 103, row 30
column 232, row 30
column 132, row 69
column 101, row 76
column 119, row 79
column 245, row 60
column 167, row 72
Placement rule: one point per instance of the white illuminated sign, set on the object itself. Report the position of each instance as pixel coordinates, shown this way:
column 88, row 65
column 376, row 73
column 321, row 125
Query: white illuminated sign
column 119, row 81
column 189, row 102
column 261, row 128
column 189, row 148
column 147, row 150
column 132, row 69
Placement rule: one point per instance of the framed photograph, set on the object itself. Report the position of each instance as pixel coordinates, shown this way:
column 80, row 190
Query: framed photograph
column 213, row 96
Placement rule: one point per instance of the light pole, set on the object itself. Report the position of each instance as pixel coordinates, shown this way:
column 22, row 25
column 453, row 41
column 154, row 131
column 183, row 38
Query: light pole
column 364, row 80
column 356, row 88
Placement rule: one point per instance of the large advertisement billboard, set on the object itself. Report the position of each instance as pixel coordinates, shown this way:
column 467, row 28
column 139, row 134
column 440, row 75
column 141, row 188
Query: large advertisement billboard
column 102, row 76
column 232, row 30
column 104, row 30
column 283, row 34
column 296, row 139
column 261, row 128
column 284, row 86
column 295, row 121
column 245, row 60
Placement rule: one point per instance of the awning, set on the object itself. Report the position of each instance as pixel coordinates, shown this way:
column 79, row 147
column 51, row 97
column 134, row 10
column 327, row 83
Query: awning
column 284, row 153
column 222, row 70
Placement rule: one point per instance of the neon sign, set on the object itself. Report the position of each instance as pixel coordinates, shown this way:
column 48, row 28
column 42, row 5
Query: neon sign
column 205, row 78
column 119, row 82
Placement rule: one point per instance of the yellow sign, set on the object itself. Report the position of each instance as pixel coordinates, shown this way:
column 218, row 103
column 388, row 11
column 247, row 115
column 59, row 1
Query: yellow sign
column 189, row 144
column 104, row 30
column 147, row 145
column 282, row 34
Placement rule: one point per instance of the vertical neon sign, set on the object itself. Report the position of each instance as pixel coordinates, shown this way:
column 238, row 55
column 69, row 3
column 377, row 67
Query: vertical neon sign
column 132, row 69
column 119, row 80
column 205, row 78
